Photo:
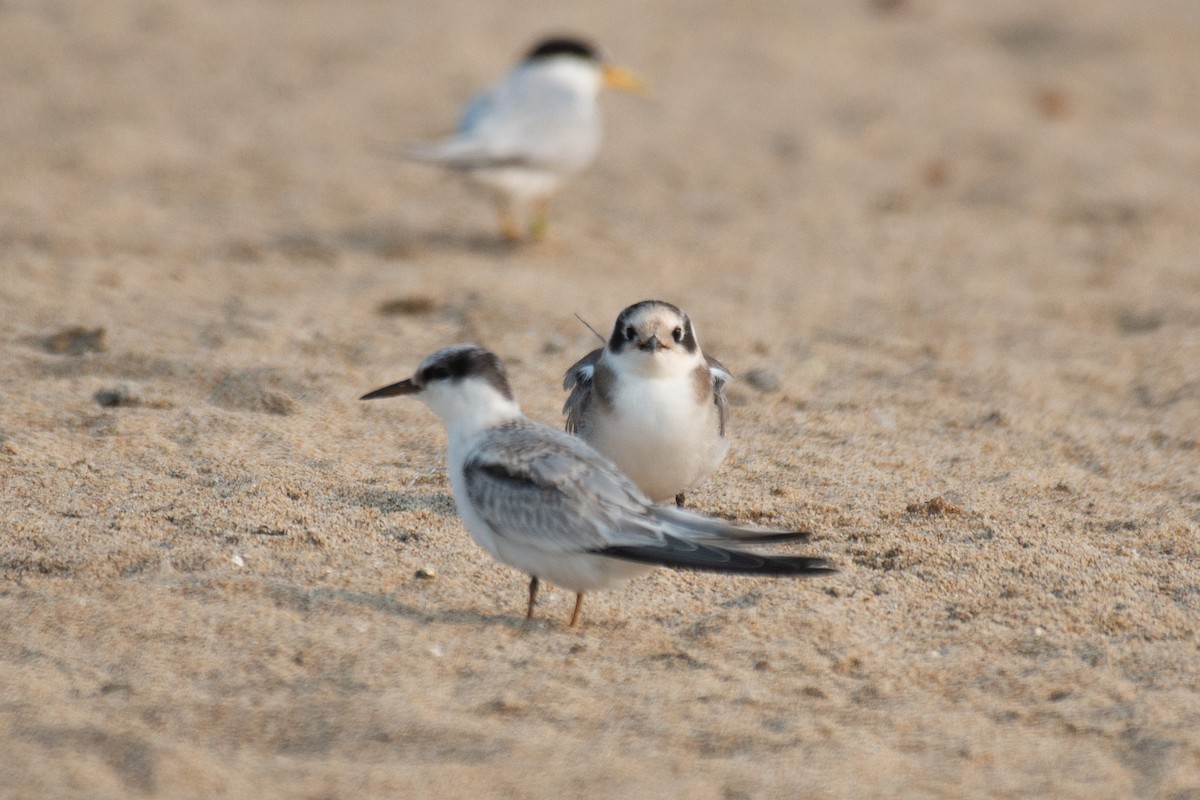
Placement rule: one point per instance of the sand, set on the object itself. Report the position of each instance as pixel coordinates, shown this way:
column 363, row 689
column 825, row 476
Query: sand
column 949, row 248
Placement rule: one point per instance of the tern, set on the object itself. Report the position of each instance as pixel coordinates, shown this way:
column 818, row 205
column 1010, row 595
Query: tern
column 652, row 401
column 536, row 127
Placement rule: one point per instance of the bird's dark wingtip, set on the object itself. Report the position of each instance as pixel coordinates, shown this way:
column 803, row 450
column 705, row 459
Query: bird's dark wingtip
column 783, row 536
column 681, row 554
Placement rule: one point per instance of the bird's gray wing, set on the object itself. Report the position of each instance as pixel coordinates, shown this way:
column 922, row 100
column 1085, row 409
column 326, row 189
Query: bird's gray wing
column 477, row 109
column 530, row 121
column 674, row 537
column 698, row 528
column 526, row 121
column 462, row 153
column 538, row 121
column 579, row 381
column 546, row 489
column 720, row 377
column 465, row 149
column 482, row 140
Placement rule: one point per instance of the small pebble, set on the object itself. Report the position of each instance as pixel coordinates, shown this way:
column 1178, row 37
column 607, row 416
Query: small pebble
column 937, row 507
column 410, row 305
column 76, row 340
column 506, row 704
column 123, row 394
column 762, row 379
column 1052, row 103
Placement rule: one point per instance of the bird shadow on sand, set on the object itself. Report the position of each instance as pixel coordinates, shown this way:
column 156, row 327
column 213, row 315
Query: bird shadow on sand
column 391, row 241
column 386, row 241
column 440, row 503
column 304, row 599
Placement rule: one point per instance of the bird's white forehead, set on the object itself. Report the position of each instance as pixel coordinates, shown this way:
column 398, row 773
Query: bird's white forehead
column 655, row 317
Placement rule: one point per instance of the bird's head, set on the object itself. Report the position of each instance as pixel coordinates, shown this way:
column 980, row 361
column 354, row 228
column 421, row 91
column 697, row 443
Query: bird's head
column 575, row 50
column 463, row 383
column 655, row 338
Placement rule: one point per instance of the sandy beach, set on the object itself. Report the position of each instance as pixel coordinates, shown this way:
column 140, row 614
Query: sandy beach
column 951, row 251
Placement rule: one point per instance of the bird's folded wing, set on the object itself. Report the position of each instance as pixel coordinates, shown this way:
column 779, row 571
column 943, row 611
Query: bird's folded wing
column 549, row 490
column 482, row 140
column 579, row 381
column 699, row 528
column 457, row 153
column 720, row 377
column 720, row 374
column 477, row 111
column 475, row 145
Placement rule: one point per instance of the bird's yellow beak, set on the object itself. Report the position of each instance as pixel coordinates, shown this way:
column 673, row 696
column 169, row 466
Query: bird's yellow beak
column 619, row 78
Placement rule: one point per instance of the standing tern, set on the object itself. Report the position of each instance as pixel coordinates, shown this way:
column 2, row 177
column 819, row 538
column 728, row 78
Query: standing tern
column 536, row 127
column 652, row 401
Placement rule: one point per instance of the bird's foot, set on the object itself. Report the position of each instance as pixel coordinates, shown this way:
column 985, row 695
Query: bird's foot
column 578, row 608
column 533, row 592
column 541, row 220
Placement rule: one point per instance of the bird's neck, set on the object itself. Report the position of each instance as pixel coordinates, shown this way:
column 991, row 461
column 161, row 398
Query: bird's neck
column 467, row 419
column 581, row 76
column 661, row 367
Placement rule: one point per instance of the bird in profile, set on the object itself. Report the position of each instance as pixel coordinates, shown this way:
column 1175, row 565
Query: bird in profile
column 525, row 135
column 545, row 502
column 652, row 401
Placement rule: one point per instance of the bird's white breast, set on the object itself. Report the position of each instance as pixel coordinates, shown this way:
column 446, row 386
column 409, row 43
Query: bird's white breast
column 459, row 447
column 659, row 433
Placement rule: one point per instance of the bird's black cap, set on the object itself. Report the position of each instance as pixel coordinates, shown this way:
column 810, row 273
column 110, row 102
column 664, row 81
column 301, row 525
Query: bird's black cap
column 563, row 46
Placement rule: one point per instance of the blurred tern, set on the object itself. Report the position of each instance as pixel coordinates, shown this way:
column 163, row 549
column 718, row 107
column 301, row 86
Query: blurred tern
column 652, row 401
column 545, row 502
column 540, row 124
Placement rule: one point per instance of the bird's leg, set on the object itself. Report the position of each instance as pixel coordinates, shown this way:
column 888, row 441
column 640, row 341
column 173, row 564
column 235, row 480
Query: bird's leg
column 578, row 608
column 508, row 223
column 541, row 220
column 679, row 500
column 533, row 590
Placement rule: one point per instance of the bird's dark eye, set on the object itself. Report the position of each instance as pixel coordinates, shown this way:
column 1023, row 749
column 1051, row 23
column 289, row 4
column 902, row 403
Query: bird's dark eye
column 436, row 374
column 677, row 334
column 630, row 333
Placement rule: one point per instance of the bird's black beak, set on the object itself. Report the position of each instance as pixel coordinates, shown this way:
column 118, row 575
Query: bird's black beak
column 403, row 387
column 651, row 345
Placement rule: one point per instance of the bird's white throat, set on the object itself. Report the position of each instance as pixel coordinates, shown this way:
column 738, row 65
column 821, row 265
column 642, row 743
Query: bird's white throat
column 578, row 75
column 663, row 365
column 469, row 406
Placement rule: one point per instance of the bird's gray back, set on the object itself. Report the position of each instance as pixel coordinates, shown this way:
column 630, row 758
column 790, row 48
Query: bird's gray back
column 547, row 489
column 533, row 121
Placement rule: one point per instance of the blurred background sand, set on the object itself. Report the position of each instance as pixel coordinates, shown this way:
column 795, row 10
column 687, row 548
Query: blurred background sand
column 951, row 248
